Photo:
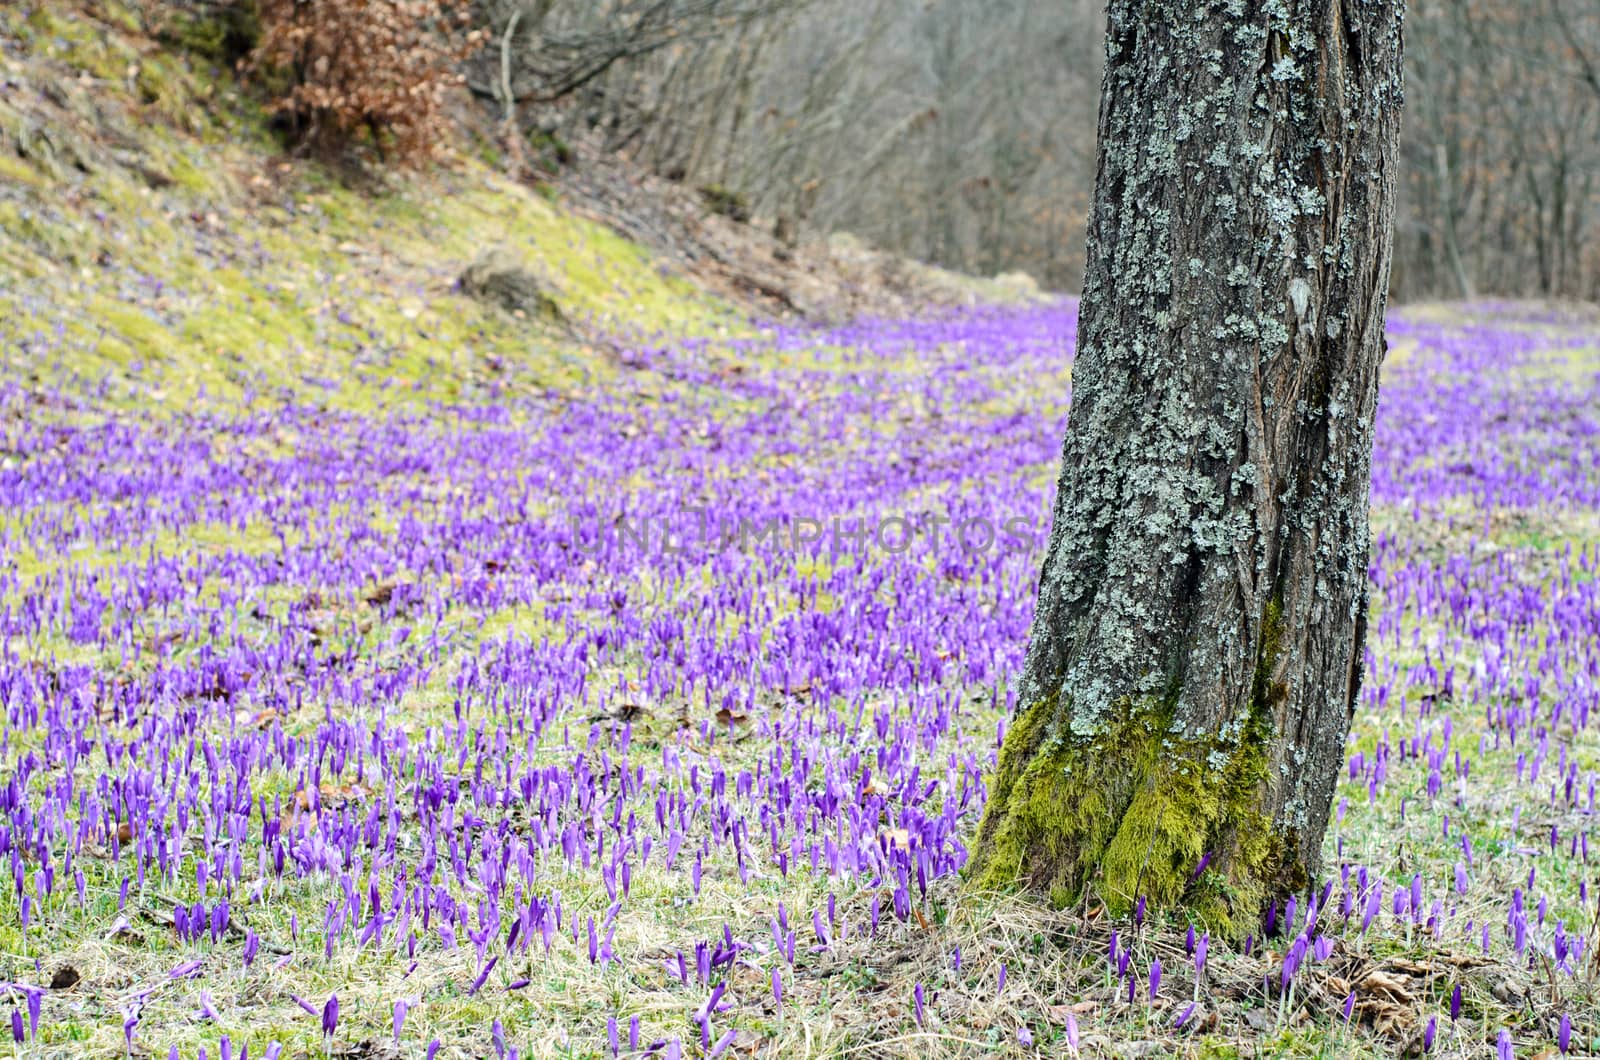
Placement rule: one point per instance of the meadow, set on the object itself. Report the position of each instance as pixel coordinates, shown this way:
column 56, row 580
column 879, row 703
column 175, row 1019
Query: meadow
column 652, row 716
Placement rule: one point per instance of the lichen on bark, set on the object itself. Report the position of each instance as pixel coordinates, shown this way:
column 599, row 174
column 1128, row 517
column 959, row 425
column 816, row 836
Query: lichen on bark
column 1195, row 654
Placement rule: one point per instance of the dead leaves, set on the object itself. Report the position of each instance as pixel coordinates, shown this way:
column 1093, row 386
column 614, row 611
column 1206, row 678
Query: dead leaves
column 1058, row 1013
column 1390, row 994
column 1385, row 986
column 260, row 720
column 731, row 719
column 331, row 797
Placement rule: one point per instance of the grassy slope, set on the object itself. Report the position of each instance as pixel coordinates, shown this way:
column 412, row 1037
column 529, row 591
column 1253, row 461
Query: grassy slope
column 149, row 223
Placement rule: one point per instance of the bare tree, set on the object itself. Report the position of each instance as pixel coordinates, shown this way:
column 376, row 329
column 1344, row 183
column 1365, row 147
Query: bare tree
column 947, row 131
column 562, row 46
column 961, row 133
column 1499, row 191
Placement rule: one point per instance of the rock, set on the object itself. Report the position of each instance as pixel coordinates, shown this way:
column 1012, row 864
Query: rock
column 496, row 276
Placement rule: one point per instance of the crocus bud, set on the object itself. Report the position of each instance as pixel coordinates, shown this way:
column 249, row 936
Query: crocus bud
column 330, row 1016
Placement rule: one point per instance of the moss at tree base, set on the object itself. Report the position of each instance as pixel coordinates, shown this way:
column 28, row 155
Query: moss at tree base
column 1132, row 812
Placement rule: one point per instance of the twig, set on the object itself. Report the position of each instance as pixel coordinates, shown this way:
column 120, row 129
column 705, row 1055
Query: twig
column 509, row 122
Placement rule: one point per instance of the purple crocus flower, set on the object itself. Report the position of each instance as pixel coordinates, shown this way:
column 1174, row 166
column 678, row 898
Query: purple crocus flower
column 483, row 976
column 330, row 1016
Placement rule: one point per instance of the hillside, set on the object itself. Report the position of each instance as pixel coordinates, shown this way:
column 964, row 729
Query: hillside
column 149, row 217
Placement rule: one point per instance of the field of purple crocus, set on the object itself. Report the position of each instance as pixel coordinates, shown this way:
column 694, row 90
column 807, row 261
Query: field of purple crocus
column 654, row 718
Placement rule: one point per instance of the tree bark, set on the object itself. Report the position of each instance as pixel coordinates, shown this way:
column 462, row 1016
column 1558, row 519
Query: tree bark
column 1197, row 648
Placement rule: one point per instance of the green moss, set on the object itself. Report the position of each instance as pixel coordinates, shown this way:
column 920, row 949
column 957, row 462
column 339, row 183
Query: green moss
column 550, row 152
column 1041, row 824
column 1264, row 692
column 189, row 176
column 1130, row 812
column 144, row 335
column 727, row 202
column 223, row 35
column 15, row 169
column 63, row 35
column 53, row 240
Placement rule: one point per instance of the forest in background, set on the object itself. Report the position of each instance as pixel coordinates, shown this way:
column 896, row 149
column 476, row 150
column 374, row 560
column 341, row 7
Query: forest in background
column 963, row 134
column 955, row 133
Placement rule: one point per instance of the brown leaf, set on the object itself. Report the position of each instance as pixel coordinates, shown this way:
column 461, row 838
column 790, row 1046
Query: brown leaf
column 1380, row 982
column 1058, row 1013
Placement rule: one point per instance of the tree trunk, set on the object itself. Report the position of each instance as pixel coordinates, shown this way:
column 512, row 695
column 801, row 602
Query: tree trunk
column 1197, row 648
